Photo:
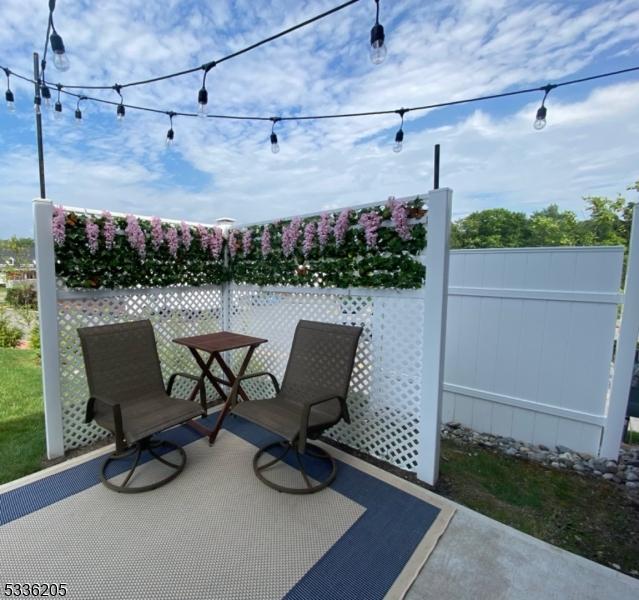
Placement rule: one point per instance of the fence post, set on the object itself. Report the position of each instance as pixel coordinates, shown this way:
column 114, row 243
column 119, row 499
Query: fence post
column 435, row 303
column 625, row 353
column 48, row 315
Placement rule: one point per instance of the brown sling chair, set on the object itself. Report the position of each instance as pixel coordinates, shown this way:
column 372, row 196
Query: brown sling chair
column 312, row 398
column 128, row 397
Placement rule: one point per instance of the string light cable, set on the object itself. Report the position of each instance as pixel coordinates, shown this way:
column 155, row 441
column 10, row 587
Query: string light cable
column 532, row 90
column 208, row 65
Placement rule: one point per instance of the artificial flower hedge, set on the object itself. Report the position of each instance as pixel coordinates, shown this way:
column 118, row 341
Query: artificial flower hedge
column 373, row 247
column 116, row 252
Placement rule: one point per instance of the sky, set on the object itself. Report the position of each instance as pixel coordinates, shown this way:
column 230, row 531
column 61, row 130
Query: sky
column 438, row 50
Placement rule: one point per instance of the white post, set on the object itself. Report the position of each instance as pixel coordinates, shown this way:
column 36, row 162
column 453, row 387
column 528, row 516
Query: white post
column 48, row 314
column 625, row 353
column 435, row 303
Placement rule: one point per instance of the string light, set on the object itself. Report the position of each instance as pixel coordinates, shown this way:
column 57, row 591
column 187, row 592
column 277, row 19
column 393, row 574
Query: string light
column 203, row 95
column 540, row 119
column 78, row 112
column 8, row 95
column 60, row 58
column 170, row 134
column 120, row 111
column 45, row 92
column 121, row 106
column 275, row 147
column 399, row 136
column 57, row 109
column 37, row 101
column 378, row 49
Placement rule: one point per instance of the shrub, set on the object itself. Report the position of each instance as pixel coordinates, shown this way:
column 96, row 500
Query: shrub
column 9, row 335
column 22, row 296
column 34, row 337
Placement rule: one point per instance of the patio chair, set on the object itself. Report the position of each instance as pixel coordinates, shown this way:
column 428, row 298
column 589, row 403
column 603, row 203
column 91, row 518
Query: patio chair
column 312, row 399
column 128, row 397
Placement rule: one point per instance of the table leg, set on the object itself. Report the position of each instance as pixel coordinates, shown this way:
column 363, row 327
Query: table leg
column 206, row 371
column 234, row 382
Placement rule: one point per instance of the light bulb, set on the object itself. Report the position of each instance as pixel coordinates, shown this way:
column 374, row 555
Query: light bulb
column 60, row 59
column 57, row 111
column 378, row 52
column 202, row 102
column 36, row 105
column 120, row 113
column 46, row 95
column 378, row 49
column 399, row 141
column 170, row 135
column 540, row 120
column 275, row 147
column 11, row 106
column 78, row 116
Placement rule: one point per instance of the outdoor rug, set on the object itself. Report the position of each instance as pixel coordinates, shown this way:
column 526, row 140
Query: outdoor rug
column 216, row 532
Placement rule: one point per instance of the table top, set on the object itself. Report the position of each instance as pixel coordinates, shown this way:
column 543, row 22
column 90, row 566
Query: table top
column 220, row 341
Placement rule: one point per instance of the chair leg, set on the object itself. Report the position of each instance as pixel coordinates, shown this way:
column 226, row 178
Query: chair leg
column 309, row 487
column 137, row 449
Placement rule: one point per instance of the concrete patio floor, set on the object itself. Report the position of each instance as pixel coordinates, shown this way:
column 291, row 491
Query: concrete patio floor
column 480, row 559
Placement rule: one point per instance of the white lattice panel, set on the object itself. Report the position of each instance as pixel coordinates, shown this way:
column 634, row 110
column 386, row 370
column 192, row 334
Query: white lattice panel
column 385, row 392
column 174, row 312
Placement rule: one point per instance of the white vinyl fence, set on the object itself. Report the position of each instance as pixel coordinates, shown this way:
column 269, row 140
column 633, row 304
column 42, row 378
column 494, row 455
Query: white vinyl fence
column 529, row 345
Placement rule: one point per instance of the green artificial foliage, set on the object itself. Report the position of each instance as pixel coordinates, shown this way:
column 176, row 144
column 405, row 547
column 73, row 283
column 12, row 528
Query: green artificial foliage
column 392, row 263
column 122, row 267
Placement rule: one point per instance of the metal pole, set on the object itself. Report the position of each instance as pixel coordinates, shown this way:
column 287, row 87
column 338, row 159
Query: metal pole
column 436, row 169
column 38, row 117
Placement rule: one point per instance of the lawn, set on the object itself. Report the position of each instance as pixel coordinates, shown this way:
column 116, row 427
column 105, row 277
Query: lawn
column 589, row 517
column 22, row 442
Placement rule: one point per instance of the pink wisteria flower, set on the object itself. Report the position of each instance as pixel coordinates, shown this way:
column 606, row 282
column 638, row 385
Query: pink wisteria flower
column 247, row 240
column 108, row 230
column 232, row 244
column 203, row 232
column 399, row 215
column 92, row 230
column 187, row 238
column 135, row 235
column 309, row 237
column 370, row 221
column 341, row 226
column 290, row 236
column 323, row 230
column 157, row 233
column 266, row 241
column 172, row 241
column 58, row 226
column 216, row 242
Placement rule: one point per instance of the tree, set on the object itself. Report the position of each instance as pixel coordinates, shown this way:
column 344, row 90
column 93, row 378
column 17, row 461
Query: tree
column 492, row 228
column 606, row 225
column 552, row 227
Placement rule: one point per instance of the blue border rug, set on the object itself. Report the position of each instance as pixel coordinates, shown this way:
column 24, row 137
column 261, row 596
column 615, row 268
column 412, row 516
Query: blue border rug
column 367, row 560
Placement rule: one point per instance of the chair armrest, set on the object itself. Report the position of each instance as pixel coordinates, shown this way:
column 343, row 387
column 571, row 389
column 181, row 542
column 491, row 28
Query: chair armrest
column 306, row 413
column 171, row 382
column 239, row 380
column 120, row 444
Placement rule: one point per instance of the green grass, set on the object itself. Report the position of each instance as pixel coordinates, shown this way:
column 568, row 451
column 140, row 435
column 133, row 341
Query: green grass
column 22, row 441
column 583, row 515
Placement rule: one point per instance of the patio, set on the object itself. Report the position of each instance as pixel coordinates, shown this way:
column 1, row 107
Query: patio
column 217, row 532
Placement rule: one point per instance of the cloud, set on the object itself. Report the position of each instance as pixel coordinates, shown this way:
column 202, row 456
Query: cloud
column 438, row 50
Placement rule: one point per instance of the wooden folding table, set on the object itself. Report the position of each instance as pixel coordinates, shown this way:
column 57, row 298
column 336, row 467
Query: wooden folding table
column 215, row 344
